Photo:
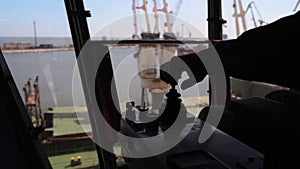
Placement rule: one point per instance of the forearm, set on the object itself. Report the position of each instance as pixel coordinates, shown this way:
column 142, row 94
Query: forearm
column 265, row 53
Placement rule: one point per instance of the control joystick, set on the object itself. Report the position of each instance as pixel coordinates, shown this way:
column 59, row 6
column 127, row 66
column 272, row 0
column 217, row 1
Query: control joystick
column 172, row 109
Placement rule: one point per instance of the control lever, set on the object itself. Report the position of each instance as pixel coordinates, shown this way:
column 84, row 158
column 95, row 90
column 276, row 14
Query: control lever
column 173, row 108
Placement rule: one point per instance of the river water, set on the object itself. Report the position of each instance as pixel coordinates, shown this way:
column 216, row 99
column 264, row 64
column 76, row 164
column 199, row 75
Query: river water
column 56, row 69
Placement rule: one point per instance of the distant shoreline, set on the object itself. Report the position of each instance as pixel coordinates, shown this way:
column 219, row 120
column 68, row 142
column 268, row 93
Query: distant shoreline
column 10, row 51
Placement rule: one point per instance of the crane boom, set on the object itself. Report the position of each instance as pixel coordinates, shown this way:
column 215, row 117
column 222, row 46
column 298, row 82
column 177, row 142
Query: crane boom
column 240, row 12
column 176, row 11
column 297, row 5
column 252, row 14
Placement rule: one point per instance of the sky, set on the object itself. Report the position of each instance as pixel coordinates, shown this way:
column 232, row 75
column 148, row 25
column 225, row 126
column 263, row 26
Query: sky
column 113, row 18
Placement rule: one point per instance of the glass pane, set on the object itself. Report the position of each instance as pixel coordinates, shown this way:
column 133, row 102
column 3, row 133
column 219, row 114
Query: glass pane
column 37, row 45
column 38, row 48
column 256, row 14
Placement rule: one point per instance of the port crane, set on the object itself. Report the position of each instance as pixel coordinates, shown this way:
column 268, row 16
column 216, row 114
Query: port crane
column 145, row 9
column 149, row 66
column 296, row 5
column 175, row 12
column 19, row 138
column 239, row 12
column 170, row 17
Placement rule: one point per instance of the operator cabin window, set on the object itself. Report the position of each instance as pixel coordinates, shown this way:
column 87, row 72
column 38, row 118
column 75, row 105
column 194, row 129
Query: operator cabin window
column 254, row 14
column 37, row 45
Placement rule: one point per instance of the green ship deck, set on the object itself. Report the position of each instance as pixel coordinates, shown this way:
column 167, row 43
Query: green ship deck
column 66, row 121
column 89, row 160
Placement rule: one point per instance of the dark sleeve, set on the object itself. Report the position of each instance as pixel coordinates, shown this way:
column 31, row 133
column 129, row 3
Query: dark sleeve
column 266, row 54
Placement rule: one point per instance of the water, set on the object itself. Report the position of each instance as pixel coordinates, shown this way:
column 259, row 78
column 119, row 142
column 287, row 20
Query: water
column 55, row 71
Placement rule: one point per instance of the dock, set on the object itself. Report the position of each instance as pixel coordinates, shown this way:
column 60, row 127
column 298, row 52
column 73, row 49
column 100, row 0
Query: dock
column 10, row 51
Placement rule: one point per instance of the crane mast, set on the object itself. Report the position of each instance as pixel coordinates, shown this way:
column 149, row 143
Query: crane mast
column 135, row 35
column 240, row 14
column 155, row 10
column 235, row 15
column 144, row 7
column 168, row 19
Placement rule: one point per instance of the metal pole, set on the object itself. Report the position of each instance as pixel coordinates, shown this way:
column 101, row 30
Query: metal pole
column 34, row 32
column 215, row 20
column 236, row 17
column 77, row 20
column 242, row 14
column 215, row 32
column 80, row 34
column 165, row 9
column 147, row 15
column 182, row 30
column 155, row 10
column 135, row 35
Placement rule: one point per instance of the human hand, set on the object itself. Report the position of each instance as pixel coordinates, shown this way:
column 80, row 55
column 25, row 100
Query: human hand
column 191, row 64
